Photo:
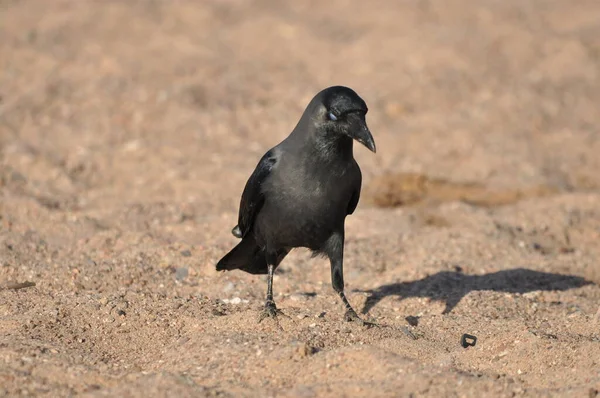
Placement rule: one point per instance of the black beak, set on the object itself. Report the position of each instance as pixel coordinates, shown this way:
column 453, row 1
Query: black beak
column 360, row 132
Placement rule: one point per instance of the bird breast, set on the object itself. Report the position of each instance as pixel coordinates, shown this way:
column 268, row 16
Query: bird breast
column 309, row 194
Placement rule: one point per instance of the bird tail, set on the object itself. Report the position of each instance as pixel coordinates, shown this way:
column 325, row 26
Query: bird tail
column 248, row 256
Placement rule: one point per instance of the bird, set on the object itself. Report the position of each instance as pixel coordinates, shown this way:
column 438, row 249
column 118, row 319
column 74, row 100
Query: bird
column 300, row 193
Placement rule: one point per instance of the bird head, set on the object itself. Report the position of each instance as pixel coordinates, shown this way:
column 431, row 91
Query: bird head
column 342, row 111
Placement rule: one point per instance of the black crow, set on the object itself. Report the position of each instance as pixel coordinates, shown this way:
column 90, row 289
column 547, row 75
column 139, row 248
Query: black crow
column 301, row 192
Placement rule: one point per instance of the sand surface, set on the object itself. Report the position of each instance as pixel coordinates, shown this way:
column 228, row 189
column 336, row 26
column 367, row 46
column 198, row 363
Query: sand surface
column 127, row 132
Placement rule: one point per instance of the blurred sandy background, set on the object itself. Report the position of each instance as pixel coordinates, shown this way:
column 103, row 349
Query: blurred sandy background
column 127, row 132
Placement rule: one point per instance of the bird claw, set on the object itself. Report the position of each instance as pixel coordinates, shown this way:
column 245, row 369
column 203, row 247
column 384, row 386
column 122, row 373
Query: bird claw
column 270, row 311
column 352, row 316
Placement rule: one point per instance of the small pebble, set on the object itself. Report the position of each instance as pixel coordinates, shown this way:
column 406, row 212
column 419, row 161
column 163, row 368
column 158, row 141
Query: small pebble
column 235, row 300
column 181, row 273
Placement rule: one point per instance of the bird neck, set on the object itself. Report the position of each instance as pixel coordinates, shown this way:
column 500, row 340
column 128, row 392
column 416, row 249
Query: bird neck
column 331, row 146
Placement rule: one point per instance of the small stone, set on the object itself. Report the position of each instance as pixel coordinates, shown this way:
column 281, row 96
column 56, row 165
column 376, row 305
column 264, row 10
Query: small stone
column 217, row 312
column 468, row 340
column 412, row 320
column 186, row 253
column 235, row 300
column 17, row 177
column 181, row 273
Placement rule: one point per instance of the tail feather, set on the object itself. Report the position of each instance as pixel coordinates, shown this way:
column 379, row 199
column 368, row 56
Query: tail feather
column 244, row 255
column 249, row 257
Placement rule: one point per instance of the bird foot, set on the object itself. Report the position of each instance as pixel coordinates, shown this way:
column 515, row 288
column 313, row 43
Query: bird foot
column 352, row 316
column 270, row 311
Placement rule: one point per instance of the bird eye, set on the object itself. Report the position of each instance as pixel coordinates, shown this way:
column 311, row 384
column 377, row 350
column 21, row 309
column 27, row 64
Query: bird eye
column 331, row 116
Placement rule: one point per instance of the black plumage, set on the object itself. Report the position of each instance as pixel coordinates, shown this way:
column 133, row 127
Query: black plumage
column 302, row 190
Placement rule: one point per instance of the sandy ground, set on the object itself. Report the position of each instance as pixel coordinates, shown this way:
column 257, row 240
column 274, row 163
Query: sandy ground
column 127, row 132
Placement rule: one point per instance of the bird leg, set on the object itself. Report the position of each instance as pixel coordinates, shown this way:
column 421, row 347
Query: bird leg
column 270, row 310
column 350, row 314
column 338, row 285
column 336, row 257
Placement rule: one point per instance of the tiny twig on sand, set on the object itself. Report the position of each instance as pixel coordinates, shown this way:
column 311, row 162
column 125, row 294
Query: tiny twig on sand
column 17, row 286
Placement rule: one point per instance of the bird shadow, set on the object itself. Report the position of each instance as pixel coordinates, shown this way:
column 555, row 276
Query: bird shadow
column 452, row 286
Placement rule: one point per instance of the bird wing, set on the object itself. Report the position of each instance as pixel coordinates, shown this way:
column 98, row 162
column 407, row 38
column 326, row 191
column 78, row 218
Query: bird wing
column 353, row 201
column 253, row 197
column 356, row 193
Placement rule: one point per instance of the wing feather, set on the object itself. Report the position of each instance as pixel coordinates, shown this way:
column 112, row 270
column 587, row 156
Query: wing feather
column 253, row 197
column 356, row 194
